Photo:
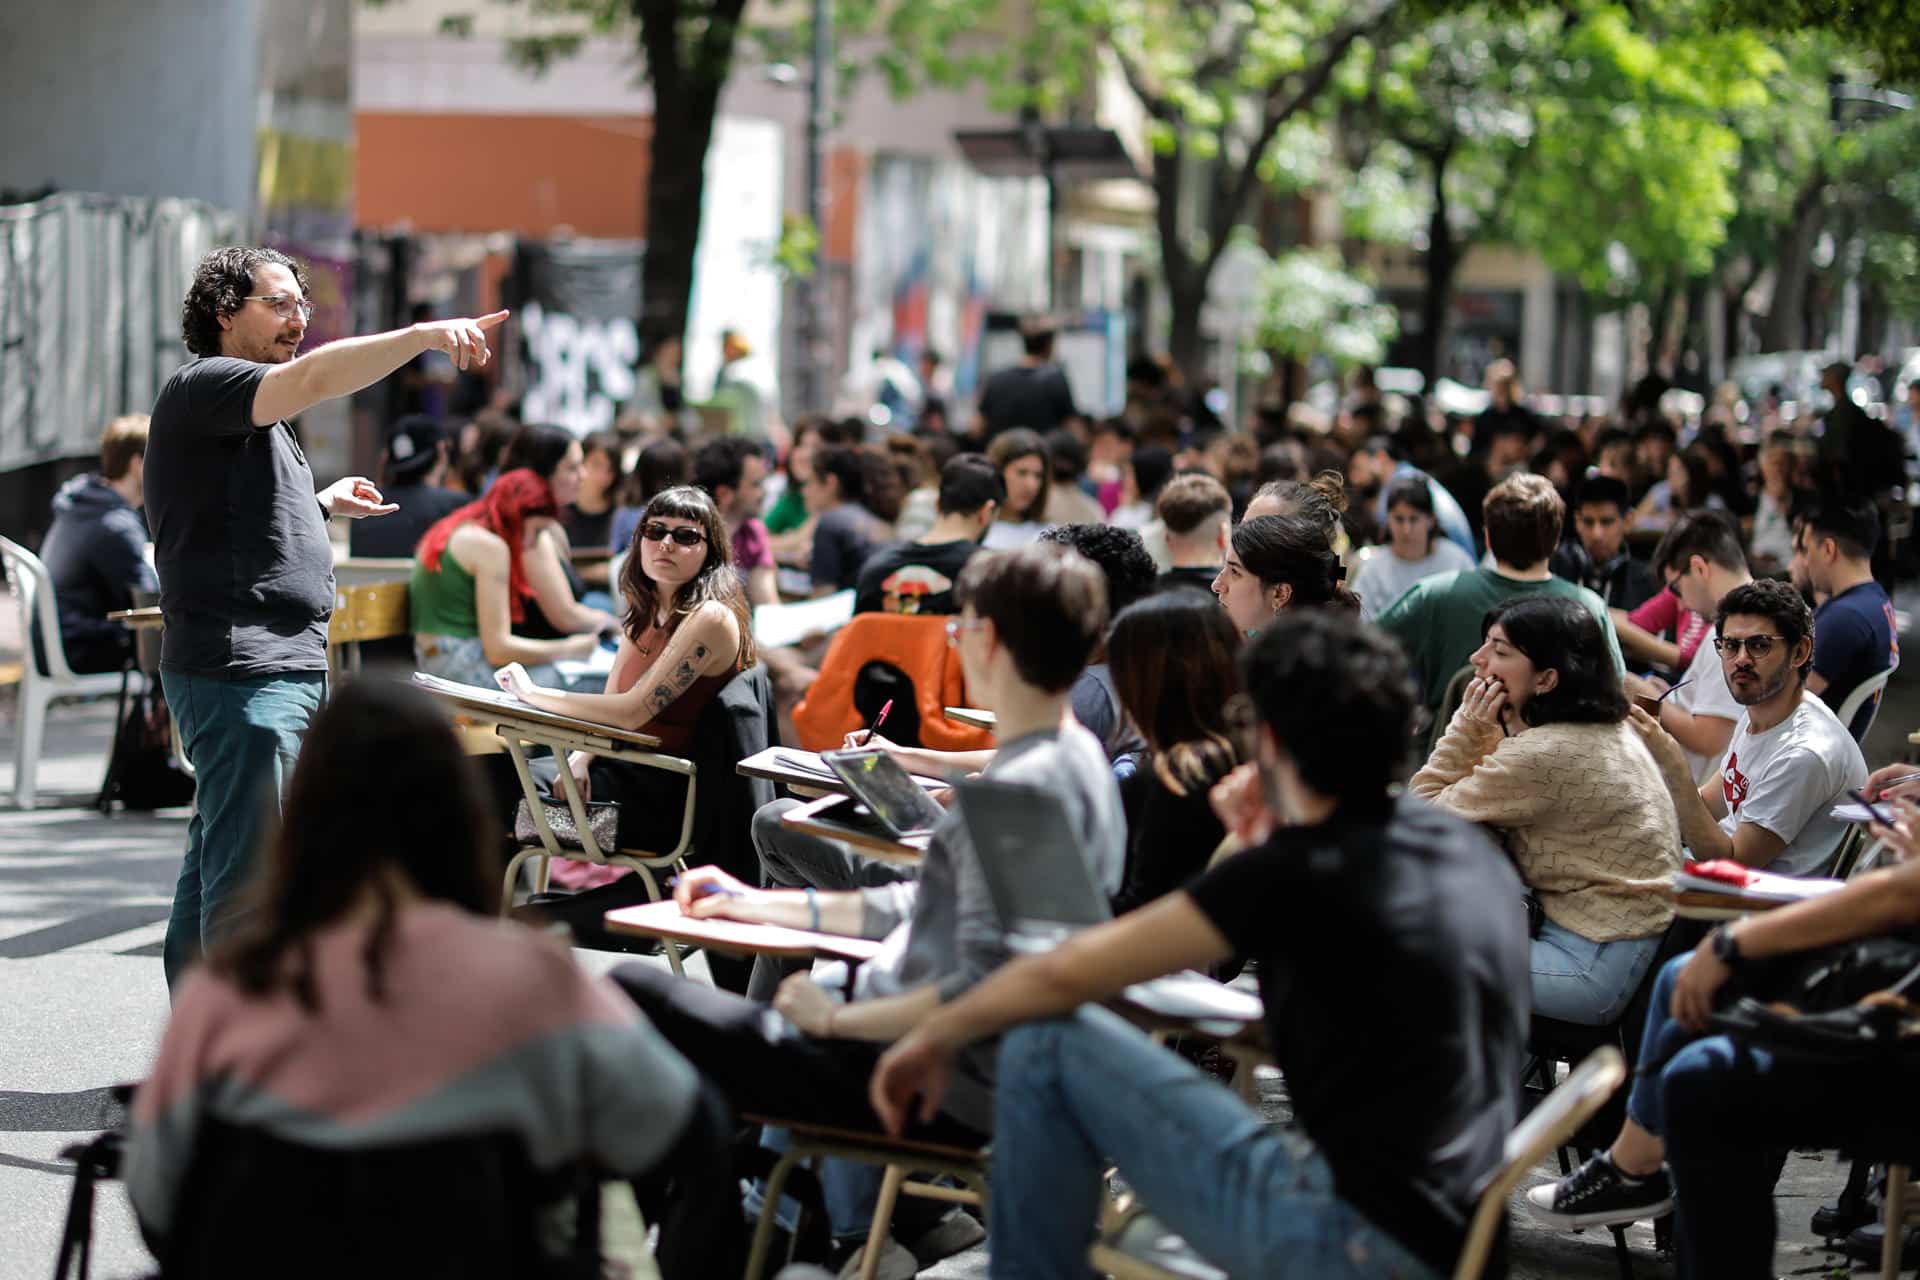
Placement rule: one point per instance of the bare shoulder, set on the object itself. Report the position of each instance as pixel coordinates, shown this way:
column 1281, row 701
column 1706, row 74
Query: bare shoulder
column 477, row 547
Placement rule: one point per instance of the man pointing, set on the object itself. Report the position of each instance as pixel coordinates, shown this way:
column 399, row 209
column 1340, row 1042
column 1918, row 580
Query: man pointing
column 240, row 543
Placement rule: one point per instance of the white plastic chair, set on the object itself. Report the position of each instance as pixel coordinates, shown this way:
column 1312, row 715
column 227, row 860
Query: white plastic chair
column 33, row 593
column 1868, row 688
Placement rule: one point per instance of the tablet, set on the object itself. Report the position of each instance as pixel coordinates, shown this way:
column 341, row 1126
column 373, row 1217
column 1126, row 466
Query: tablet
column 889, row 791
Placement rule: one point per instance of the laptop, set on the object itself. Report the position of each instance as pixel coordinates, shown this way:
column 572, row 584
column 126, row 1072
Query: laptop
column 1043, row 890
column 888, row 791
column 1036, row 871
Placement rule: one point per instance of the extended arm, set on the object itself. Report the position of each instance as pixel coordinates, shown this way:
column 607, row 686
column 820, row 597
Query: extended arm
column 1643, row 644
column 485, row 556
column 705, row 644
column 344, row 367
column 1096, row 963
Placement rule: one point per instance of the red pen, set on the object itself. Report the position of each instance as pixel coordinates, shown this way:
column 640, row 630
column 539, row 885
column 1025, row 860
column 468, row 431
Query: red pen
column 878, row 720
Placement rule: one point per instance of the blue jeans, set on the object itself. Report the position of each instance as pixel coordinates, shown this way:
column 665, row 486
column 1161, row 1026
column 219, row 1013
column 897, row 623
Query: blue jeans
column 1590, row 983
column 242, row 737
column 1730, row 1112
column 1079, row 1092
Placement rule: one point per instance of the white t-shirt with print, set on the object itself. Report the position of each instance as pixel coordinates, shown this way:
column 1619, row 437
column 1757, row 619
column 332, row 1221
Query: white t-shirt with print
column 1787, row 779
column 1706, row 694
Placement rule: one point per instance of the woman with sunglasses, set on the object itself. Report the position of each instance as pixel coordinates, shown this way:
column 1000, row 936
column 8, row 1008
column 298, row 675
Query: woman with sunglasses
column 686, row 631
column 1541, row 752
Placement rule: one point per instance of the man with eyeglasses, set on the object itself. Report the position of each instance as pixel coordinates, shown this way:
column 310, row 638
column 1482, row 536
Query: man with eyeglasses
column 1789, row 762
column 240, row 544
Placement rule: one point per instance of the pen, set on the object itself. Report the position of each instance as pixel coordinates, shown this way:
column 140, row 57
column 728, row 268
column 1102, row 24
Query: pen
column 1900, row 781
column 878, row 720
column 703, row 891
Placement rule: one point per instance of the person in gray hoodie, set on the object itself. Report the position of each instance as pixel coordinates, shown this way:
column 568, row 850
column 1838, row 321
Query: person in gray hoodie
column 95, row 551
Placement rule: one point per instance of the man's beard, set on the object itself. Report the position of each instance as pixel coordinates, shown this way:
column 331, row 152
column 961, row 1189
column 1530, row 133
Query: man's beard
column 1760, row 691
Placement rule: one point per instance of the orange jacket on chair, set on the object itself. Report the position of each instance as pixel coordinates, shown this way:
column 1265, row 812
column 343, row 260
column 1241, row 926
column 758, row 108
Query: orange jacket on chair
column 918, row 646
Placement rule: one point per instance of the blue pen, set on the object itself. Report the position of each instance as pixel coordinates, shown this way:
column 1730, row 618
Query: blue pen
column 705, row 890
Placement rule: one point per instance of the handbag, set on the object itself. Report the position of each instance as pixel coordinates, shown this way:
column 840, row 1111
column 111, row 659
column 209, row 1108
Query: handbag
column 603, row 821
column 1845, row 1005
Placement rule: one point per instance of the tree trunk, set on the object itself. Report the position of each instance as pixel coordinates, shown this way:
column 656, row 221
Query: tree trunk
column 1785, row 328
column 1186, row 279
column 1186, row 346
column 676, row 186
column 1443, row 265
column 687, row 75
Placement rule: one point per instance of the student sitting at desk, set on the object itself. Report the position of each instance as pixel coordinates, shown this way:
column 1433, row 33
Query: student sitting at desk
column 1028, row 620
column 369, row 1000
column 1172, row 656
column 685, row 633
column 470, row 597
column 1395, row 1006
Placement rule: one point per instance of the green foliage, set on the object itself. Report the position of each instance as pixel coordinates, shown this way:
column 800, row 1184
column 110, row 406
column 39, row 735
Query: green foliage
column 797, row 253
column 1307, row 304
column 1604, row 139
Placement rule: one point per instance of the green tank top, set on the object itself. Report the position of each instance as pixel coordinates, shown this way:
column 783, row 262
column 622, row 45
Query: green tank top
column 441, row 601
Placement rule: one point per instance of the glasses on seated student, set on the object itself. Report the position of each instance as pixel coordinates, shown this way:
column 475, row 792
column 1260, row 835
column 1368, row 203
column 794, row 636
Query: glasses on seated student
column 1757, row 646
column 682, row 535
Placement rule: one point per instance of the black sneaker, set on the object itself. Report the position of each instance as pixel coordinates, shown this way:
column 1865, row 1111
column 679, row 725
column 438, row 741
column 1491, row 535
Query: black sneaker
column 1598, row 1195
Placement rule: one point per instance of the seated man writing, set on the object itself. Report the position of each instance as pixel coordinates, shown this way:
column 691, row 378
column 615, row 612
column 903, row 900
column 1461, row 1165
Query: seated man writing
column 1028, row 620
column 1395, row 1003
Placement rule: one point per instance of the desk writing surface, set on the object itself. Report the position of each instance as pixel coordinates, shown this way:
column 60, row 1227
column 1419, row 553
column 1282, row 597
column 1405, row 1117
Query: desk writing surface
column 137, row 619
column 841, row 818
column 978, row 717
column 665, row 920
column 797, row 768
column 497, row 707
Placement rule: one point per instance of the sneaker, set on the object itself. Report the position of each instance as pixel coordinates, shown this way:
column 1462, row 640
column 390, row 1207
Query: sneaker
column 895, row 1263
column 956, row 1231
column 1599, row 1195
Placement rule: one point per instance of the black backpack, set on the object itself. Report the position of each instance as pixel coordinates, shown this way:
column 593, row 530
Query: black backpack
column 141, row 774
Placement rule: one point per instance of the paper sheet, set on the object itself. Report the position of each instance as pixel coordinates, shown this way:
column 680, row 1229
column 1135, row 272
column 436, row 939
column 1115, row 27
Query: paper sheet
column 776, row 625
column 494, row 697
column 1195, row 996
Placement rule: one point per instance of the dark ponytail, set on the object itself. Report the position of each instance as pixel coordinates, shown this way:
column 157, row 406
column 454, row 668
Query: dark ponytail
column 1294, row 550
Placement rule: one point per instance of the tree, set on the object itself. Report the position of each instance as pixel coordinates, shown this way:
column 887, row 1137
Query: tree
column 1597, row 137
column 1229, row 88
column 686, row 51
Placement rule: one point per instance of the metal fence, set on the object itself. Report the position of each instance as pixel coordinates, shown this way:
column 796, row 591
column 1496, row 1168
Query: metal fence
column 90, row 290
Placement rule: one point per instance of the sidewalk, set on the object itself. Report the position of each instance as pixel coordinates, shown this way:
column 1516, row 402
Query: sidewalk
column 83, row 903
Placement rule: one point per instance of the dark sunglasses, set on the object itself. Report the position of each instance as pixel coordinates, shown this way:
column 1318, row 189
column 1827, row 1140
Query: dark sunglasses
column 656, row 531
column 1757, row 646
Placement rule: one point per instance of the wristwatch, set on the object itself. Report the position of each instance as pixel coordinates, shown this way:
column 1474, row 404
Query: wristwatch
column 1726, row 947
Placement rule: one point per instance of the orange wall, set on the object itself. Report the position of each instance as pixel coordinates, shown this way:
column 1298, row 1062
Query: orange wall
column 525, row 174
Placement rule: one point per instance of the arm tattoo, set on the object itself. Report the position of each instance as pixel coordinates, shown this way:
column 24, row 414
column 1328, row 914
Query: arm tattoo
column 682, row 680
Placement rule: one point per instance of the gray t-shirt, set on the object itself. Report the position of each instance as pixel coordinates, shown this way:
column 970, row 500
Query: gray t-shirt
column 246, row 572
column 942, row 928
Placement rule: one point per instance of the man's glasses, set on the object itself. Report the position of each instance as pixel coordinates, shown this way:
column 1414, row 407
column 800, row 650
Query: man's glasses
column 682, row 535
column 1757, row 646
column 284, row 305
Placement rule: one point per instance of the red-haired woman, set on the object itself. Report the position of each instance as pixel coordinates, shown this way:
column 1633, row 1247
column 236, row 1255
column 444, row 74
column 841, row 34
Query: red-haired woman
column 470, row 593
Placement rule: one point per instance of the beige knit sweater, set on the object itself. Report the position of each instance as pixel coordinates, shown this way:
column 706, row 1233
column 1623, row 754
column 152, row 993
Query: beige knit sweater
column 1583, row 811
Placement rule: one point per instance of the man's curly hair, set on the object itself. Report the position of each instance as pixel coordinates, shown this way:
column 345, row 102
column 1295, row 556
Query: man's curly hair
column 223, row 278
column 1120, row 554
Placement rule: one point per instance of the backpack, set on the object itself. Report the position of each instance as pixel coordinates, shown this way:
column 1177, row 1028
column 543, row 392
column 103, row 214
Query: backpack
column 141, row 773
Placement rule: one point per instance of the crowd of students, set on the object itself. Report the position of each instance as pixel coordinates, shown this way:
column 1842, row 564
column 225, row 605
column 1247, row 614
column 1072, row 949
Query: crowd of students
column 1222, row 652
